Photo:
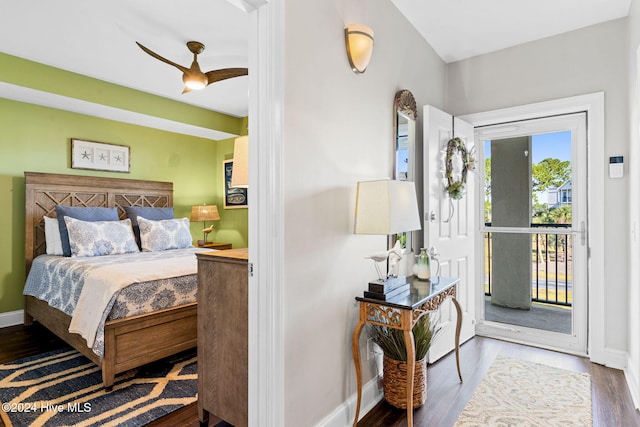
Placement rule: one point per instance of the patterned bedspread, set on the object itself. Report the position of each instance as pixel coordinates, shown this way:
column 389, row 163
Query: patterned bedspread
column 59, row 281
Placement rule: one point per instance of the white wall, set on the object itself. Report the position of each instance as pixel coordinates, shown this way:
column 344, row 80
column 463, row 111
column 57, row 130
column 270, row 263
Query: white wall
column 588, row 60
column 633, row 366
column 338, row 129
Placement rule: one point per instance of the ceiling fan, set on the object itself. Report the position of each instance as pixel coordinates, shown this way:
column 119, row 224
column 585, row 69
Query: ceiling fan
column 194, row 78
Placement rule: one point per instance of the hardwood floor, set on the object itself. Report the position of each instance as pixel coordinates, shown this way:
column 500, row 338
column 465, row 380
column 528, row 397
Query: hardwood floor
column 446, row 397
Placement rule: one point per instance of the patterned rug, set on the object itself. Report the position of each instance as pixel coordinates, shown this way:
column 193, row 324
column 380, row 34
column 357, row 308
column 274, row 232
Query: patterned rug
column 519, row 393
column 63, row 388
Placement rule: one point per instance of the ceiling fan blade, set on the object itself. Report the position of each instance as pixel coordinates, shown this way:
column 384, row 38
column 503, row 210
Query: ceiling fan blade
column 160, row 58
column 225, row 73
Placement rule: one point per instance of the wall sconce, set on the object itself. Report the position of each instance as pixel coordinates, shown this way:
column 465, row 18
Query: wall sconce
column 240, row 172
column 359, row 41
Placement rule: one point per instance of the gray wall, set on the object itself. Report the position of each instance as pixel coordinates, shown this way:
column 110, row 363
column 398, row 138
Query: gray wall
column 588, row 60
column 338, row 130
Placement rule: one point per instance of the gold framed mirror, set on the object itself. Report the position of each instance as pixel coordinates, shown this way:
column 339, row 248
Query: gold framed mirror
column 405, row 114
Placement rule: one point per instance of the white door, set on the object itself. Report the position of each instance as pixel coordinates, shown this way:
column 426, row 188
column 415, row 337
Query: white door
column 450, row 226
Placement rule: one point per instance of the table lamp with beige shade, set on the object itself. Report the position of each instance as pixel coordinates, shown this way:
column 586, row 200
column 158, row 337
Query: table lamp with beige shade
column 386, row 207
column 205, row 213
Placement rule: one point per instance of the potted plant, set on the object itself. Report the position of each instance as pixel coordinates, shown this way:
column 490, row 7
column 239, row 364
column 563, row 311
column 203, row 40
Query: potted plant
column 392, row 343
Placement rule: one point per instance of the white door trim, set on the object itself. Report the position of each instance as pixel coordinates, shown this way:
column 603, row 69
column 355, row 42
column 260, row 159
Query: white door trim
column 266, row 244
column 593, row 105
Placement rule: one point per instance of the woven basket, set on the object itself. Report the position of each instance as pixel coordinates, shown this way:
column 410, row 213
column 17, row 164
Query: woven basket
column 395, row 382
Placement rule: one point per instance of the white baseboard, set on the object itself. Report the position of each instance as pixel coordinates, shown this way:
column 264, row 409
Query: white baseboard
column 343, row 415
column 633, row 382
column 11, row 318
column 616, row 359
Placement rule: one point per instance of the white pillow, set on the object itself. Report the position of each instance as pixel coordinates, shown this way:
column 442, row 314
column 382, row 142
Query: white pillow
column 52, row 236
column 97, row 238
column 164, row 234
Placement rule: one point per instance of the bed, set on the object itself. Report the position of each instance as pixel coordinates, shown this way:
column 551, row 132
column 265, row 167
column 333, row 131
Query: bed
column 128, row 342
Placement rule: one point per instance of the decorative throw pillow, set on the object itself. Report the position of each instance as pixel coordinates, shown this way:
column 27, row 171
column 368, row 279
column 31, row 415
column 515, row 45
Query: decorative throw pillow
column 146, row 212
column 84, row 214
column 97, row 238
column 164, row 234
column 52, row 236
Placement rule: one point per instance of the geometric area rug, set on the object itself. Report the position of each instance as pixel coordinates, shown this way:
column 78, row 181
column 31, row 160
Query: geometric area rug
column 519, row 393
column 63, row 388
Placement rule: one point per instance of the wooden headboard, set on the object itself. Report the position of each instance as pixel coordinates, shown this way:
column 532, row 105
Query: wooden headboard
column 43, row 191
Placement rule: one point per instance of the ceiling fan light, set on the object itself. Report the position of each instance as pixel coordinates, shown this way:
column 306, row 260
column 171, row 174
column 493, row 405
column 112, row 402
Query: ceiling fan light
column 195, row 81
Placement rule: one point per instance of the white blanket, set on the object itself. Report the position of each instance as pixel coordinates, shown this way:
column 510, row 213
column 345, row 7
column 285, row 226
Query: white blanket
column 102, row 284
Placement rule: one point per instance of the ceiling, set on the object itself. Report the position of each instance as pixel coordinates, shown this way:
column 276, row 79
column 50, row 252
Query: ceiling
column 460, row 29
column 97, row 39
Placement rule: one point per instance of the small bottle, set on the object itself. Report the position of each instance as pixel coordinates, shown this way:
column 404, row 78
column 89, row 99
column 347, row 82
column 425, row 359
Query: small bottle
column 421, row 268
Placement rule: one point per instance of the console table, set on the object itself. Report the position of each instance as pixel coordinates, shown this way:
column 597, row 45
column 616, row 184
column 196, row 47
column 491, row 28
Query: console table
column 402, row 313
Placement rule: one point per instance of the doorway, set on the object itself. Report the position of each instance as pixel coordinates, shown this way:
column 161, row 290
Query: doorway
column 587, row 335
column 534, row 230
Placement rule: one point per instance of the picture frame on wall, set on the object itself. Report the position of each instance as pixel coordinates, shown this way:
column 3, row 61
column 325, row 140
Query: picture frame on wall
column 234, row 198
column 100, row 156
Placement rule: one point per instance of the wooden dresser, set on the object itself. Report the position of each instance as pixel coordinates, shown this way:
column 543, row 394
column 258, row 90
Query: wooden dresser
column 222, row 336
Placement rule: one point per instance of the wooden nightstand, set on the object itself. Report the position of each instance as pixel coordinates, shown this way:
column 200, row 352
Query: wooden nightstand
column 215, row 245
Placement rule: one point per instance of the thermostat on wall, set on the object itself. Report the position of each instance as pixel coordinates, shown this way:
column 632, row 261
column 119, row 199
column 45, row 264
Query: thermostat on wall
column 616, row 167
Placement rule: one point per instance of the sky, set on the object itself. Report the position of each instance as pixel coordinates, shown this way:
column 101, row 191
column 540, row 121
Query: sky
column 556, row 145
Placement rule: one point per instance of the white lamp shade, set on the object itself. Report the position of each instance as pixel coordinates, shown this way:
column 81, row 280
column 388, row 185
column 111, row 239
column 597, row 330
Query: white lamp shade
column 240, row 172
column 386, row 207
column 359, row 40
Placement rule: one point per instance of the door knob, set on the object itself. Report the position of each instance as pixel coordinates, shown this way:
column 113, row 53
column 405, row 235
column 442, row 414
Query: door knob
column 432, row 216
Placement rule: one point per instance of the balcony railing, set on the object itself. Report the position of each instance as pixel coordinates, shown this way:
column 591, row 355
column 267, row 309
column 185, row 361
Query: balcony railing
column 551, row 265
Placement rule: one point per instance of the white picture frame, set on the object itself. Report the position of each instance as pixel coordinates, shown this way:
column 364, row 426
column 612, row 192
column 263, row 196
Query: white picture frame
column 99, row 156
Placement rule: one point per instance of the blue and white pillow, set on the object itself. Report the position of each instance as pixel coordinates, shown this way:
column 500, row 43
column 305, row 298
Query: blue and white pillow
column 84, row 213
column 97, row 238
column 152, row 213
column 164, row 234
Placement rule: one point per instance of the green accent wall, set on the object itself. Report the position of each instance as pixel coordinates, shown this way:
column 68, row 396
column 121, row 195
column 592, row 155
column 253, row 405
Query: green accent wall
column 38, row 139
